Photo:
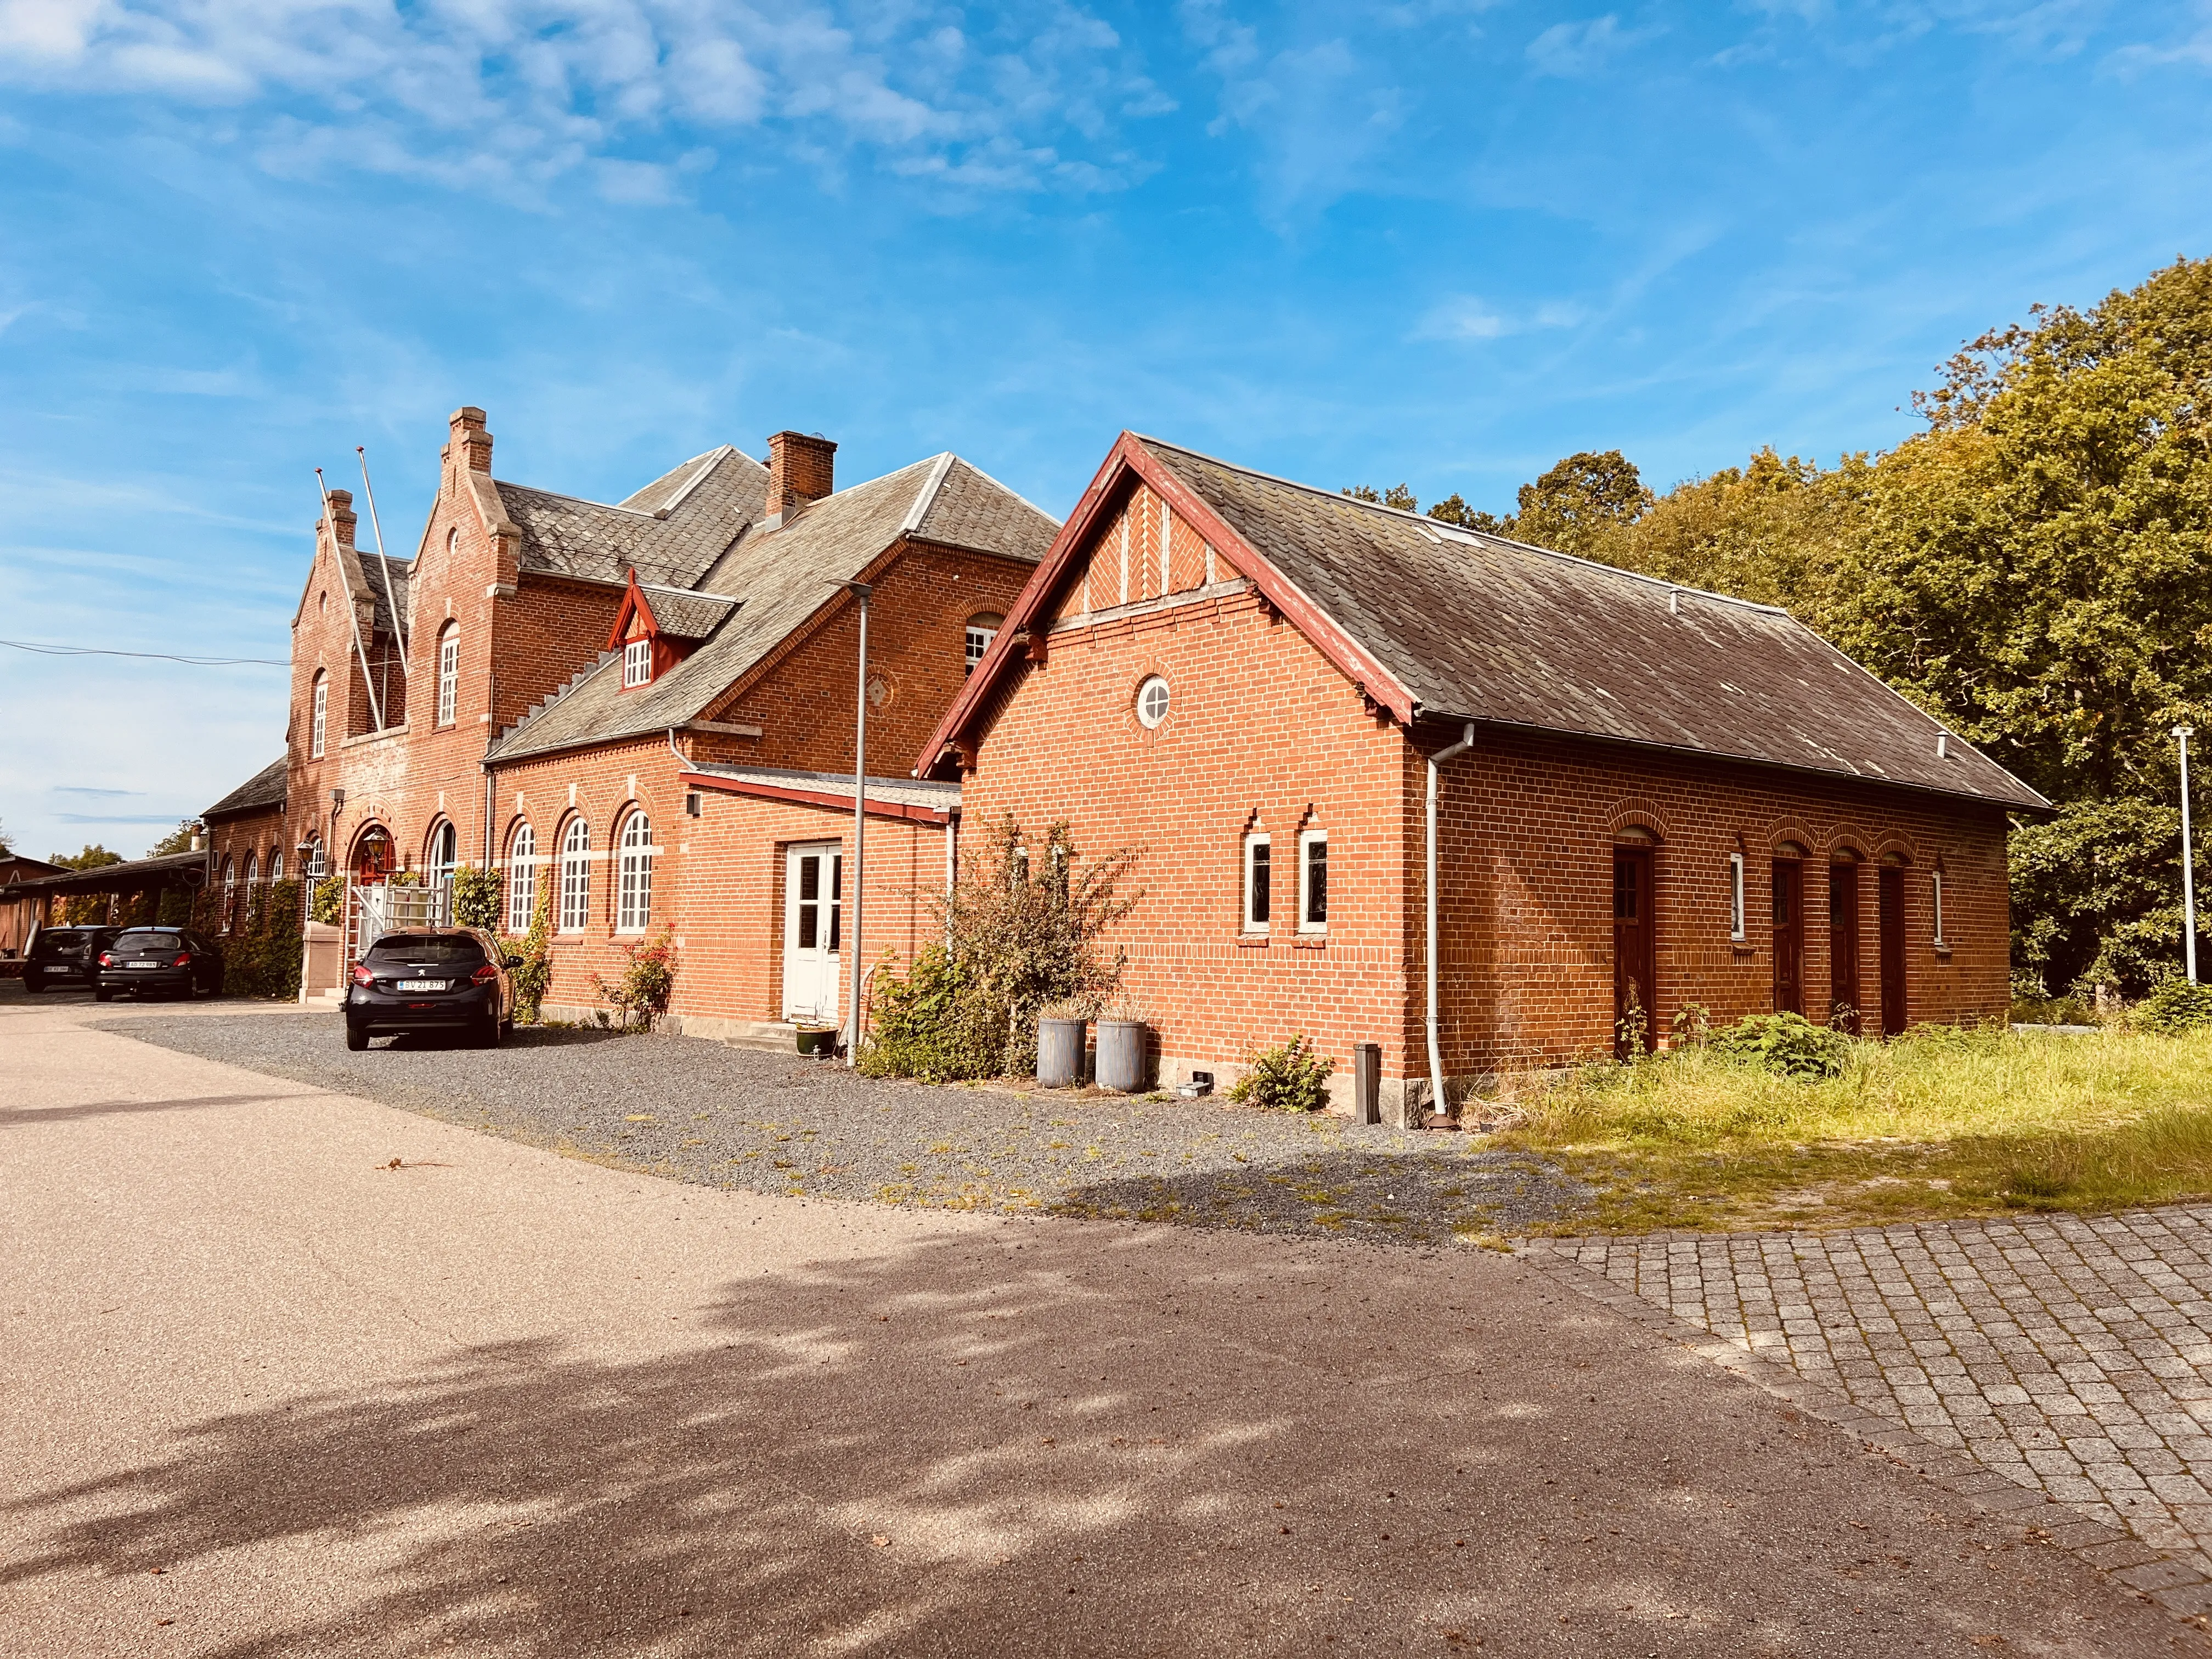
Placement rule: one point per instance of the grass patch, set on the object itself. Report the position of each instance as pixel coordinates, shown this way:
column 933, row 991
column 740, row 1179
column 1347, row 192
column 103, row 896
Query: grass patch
column 1940, row 1123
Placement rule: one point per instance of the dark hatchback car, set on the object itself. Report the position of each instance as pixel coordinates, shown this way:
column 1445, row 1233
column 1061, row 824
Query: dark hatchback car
column 432, row 979
column 173, row 962
column 65, row 956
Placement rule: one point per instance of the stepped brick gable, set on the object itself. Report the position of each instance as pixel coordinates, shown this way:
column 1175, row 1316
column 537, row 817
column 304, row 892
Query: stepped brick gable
column 1667, row 801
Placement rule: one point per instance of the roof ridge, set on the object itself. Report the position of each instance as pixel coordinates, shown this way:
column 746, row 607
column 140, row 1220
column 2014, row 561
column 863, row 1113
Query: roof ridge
column 925, row 497
column 996, row 483
column 562, row 496
column 713, row 458
column 1445, row 527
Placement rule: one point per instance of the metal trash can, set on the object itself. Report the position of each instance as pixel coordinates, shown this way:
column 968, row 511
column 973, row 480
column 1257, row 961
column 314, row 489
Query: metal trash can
column 1121, row 1055
column 1366, row 1083
column 1059, row 1053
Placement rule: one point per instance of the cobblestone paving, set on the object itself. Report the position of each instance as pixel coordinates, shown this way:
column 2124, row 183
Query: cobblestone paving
column 2068, row 1354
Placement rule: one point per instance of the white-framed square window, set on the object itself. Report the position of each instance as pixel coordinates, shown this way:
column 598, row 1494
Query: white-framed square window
column 1313, row 882
column 637, row 663
column 1735, row 897
column 1258, row 882
column 1936, row 894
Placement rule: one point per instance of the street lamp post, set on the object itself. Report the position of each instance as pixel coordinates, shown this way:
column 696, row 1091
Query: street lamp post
column 860, row 590
column 2188, row 870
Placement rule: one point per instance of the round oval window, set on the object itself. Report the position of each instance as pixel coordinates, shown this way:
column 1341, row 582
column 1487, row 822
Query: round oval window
column 1153, row 701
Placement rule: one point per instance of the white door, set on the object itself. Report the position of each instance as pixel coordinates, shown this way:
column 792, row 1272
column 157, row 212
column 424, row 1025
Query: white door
column 813, row 890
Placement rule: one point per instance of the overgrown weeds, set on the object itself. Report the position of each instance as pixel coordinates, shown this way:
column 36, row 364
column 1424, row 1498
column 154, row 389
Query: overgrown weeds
column 1941, row 1122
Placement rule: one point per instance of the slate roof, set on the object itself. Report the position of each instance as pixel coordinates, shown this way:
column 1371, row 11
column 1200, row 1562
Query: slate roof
column 1477, row 628
column 783, row 577
column 374, row 568
column 671, row 531
column 265, row 789
column 687, row 616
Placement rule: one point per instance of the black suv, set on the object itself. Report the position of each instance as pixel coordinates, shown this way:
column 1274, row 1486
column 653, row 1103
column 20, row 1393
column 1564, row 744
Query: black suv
column 62, row 955
column 427, row 979
column 174, row 961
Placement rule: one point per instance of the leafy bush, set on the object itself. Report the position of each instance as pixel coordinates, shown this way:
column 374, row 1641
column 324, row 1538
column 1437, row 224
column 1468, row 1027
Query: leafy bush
column 648, row 982
column 926, row 1026
column 2174, row 1007
column 535, row 977
column 476, row 897
column 1012, row 942
column 1788, row 1045
column 261, row 957
column 1289, row 1077
column 329, row 901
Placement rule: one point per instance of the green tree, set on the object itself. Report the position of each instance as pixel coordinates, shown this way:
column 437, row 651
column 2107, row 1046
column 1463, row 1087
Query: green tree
column 1454, row 510
column 1396, row 495
column 179, row 840
column 95, row 857
column 1573, row 504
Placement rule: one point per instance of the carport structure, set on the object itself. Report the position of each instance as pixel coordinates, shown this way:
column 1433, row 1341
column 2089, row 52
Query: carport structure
column 31, row 899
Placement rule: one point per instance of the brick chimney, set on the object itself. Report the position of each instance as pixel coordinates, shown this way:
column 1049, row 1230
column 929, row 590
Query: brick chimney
column 800, row 469
column 470, row 446
column 341, row 516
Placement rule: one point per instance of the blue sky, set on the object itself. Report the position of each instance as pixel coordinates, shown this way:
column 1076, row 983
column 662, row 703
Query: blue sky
column 1441, row 243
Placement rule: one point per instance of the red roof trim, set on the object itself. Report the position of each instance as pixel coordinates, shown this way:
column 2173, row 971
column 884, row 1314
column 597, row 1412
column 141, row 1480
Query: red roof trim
column 1127, row 459
column 634, row 602
column 877, row 809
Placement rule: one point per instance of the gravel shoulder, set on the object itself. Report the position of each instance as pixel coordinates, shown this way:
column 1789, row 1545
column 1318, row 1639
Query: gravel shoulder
column 699, row 1111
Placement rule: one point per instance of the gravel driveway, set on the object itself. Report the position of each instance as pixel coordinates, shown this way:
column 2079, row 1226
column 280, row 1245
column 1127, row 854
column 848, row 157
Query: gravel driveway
column 703, row 1112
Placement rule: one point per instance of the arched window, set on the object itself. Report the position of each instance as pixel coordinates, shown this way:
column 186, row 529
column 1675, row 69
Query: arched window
column 449, row 672
column 229, row 893
column 981, row 629
column 634, row 891
column 575, row 876
column 275, row 864
column 521, row 880
column 321, row 716
column 443, row 854
column 252, row 873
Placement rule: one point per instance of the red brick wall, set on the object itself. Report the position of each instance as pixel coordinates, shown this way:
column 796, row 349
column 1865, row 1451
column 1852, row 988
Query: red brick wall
column 232, row 839
column 1264, row 732
column 801, row 696
column 717, row 879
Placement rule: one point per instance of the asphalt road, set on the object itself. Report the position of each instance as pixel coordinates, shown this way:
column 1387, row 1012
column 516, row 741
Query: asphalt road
column 265, row 1391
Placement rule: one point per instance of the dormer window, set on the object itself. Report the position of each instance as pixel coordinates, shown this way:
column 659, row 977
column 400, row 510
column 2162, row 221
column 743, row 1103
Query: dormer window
column 637, row 663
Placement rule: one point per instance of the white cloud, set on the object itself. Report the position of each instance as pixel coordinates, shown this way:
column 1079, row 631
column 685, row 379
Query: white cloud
column 510, row 95
column 1572, row 50
column 1465, row 317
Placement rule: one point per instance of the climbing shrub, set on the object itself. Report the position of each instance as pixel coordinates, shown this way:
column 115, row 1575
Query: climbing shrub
column 926, row 1024
column 476, row 898
column 329, row 901
column 535, row 977
column 646, row 983
column 261, row 957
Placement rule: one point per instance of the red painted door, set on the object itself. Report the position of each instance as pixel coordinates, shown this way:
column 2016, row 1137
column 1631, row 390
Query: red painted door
column 1844, row 947
column 1633, row 1001
column 1788, row 936
column 1892, row 917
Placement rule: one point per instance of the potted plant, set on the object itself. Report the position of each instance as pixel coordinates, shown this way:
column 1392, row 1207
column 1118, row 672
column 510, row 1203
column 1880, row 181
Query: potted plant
column 1124, row 1043
column 1060, row 1028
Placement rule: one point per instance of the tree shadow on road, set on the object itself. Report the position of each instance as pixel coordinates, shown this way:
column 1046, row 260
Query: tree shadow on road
column 1057, row 1439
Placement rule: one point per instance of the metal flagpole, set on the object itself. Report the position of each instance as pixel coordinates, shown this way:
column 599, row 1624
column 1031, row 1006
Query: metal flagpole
column 2188, row 870
column 860, row 590
column 398, row 622
column 368, row 678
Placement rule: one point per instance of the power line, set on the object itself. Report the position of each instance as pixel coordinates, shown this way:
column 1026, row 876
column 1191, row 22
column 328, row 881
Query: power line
column 156, row 656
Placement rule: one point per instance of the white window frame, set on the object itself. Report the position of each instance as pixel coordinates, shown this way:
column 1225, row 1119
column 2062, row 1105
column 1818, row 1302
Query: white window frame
column 320, row 723
column 976, row 645
column 1259, row 840
column 521, row 879
column 634, row 875
column 1735, row 898
column 1145, row 718
column 229, row 892
column 449, row 674
column 576, row 907
column 275, row 864
column 637, row 663
column 444, row 851
column 1308, row 840
column 1935, row 893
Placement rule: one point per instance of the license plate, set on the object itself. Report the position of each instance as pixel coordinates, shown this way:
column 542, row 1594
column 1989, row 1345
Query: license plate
column 422, row 985
column 142, row 964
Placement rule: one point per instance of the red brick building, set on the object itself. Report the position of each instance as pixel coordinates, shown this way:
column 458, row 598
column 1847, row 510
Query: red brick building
column 653, row 700
column 1647, row 797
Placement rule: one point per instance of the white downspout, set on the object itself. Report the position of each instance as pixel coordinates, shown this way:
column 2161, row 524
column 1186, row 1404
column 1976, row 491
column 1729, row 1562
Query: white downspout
column 1435, row 1055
